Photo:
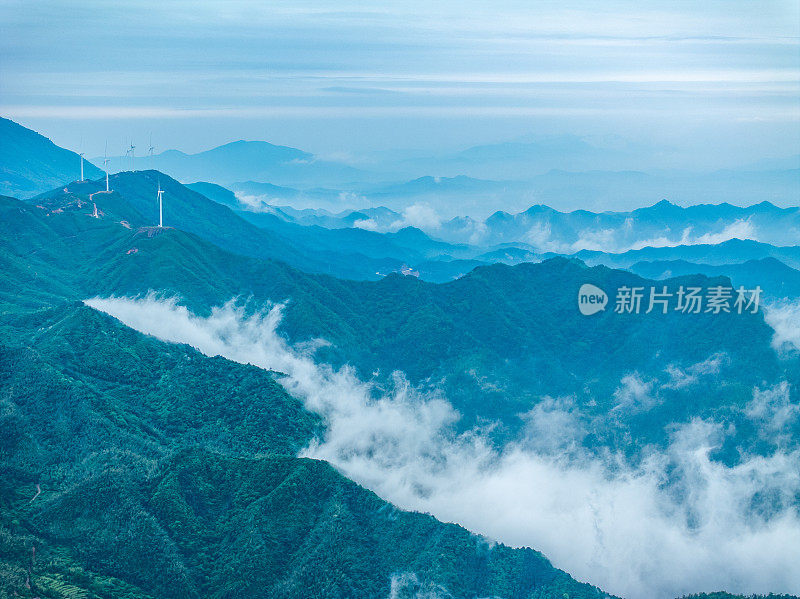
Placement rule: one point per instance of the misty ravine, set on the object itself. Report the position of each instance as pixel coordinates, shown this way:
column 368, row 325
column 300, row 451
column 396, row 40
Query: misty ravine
column 675, row 522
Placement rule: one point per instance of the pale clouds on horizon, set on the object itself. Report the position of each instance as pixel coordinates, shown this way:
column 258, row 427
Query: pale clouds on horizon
column 304, row 74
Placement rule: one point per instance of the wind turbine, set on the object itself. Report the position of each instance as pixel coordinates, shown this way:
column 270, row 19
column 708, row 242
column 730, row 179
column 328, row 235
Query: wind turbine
column 81, row 154
column 133, row 156
column 150, row 150
column 160, row 206
column 105, row 164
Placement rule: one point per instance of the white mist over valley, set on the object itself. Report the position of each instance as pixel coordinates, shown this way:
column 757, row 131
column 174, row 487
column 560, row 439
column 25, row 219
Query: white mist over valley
column 400, row 300
column 675, row 522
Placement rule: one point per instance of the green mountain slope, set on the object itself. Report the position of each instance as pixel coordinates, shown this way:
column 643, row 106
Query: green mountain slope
column 773, row 276
column 496, row 341
column 31, row 164
column 178, row 454
column 723, row 595
column 134, row 468
column 409, row 245
column 134, row 201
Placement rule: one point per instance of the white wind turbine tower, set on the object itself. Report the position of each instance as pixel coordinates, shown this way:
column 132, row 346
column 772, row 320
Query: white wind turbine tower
column 81, row 155
column 160, row 206
column 105, row 164
column 133, row 156
column 150, row 150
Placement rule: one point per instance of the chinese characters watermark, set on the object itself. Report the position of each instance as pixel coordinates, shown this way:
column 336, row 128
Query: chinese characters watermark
column 717, row 299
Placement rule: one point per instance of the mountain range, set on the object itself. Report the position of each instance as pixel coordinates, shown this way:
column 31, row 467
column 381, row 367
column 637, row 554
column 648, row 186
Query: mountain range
column 270, row 172
column 732, row 251
column 141, row 468
column 544, row 229
column 778, row 279
column 132, row 201
column 244, row 160
column 31, row 164
column 379, row 327
column 493, row 367
column 437, row 261
column 593, row 190
column 564, row 171
column 661, row 224
column 148, row 444
column 129, row 472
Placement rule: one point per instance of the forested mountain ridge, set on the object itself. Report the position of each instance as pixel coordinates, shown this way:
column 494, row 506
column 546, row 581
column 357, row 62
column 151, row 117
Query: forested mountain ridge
column 135, row 468
column 510, row 323
column 349, row 253
column 31, row 164
column 133, row 201
column 500, row 332
column 776, row 278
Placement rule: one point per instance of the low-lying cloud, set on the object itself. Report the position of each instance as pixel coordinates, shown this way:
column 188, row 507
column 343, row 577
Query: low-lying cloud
column 675, row 523
column 407, row 585
column 623, row 239
column 421, row 216
column 784, row 318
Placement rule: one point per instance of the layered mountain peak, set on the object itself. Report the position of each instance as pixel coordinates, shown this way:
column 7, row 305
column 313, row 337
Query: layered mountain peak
column 31, row 164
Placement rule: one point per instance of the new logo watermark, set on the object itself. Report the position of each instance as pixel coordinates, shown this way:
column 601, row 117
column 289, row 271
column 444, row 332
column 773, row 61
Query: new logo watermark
column 591, row 299
column 686, row 300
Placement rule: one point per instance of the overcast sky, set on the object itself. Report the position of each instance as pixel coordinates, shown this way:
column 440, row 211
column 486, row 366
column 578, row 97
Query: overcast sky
column 718, row 80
